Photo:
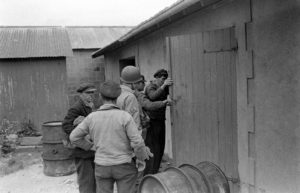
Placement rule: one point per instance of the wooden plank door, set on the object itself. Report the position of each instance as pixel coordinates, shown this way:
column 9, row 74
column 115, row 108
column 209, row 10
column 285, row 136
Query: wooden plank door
column 204, row 125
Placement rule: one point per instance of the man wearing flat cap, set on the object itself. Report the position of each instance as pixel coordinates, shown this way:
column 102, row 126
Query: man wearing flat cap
column 116, row 140
column 157, row 90
column 84, row 160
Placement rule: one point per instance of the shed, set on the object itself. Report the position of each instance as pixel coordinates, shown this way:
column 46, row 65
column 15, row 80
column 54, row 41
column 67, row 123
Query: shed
column 33, row 74
column 81, row 67
column 235, row 67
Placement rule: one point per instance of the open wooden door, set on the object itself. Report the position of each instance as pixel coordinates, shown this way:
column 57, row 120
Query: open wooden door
column 204, row 116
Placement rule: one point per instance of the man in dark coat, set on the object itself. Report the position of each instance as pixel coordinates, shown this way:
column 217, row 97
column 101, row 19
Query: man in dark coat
column 146, row 104
column 157, row 90
column 84, row 160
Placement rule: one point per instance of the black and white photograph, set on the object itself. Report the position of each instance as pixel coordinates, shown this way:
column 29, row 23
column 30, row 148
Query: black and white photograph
column 149, row 96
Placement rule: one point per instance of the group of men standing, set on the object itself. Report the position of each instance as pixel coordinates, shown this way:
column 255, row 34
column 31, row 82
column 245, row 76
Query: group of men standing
column 113, row 142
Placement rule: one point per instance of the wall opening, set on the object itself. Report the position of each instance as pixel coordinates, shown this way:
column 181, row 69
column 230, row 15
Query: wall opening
column 126, row 62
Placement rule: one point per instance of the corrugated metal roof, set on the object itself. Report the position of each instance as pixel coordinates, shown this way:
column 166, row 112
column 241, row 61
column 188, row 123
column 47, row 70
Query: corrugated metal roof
column 28, row 42
column 94, row 37
column 179, row 9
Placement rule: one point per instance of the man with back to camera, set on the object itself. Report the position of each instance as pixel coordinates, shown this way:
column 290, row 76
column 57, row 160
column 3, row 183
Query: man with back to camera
column 157, row 90
column 116, row 140
column 84, row 160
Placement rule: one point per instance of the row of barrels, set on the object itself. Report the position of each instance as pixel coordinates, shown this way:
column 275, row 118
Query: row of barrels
column 205, row 177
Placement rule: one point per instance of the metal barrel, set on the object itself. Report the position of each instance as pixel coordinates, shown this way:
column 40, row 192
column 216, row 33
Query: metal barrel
column 57, row 159
column 172, row 180
column 198, row 179
column 215, row 176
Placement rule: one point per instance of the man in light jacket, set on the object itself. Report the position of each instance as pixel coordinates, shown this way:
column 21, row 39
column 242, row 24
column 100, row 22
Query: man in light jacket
column 127, row 101
column 115, row 139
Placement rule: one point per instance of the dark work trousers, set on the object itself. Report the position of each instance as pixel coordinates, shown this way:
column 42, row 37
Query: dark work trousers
column 124, row 175
column 86, row 174
column 155, row 140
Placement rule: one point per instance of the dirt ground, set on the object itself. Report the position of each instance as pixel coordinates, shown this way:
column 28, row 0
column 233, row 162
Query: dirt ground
column 22, row 172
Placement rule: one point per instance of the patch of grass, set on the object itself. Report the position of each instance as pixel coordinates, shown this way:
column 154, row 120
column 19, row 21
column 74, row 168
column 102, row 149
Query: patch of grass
column 16, row 161
column 10, row 166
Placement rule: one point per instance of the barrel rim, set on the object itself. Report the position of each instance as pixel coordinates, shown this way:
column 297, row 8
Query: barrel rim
column 59, row 123
column 202, row 173
column 52, row 142
column 53, row 173
column 218, row 169
column 59, row 174
column 57, row 159
column 155, row 178
column 184, row 174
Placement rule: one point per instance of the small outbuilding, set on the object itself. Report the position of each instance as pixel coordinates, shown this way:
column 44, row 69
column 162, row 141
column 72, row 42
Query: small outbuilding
column 81, row 67
column 235, row 66
column 33, row 78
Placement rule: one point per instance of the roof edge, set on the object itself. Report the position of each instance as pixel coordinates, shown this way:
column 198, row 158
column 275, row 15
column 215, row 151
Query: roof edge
column 30, row 57
column 28, row 26
column 161, row 19
column 101, row 26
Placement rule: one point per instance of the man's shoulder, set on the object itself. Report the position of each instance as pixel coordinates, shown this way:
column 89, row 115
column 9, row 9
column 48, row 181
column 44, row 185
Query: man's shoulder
column 152, row 84
column 77, row 104
column 126, row 89
column 127, row 95
column 100, row 113
column 122, row 114
column 125, row 115
column 80, row 108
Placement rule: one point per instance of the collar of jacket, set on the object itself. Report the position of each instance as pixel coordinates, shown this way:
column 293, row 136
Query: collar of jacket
column 108, row 107
column 126, row 88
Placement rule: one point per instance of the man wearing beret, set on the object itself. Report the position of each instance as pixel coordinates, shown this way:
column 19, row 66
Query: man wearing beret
column 84, row 160
column 157, row 90
column 116, row 140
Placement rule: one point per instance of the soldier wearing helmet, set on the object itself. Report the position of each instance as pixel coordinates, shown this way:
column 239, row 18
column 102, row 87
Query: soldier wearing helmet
column 127, row 101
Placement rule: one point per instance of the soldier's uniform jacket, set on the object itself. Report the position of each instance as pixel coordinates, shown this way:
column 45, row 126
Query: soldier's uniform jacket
column 128, row 102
